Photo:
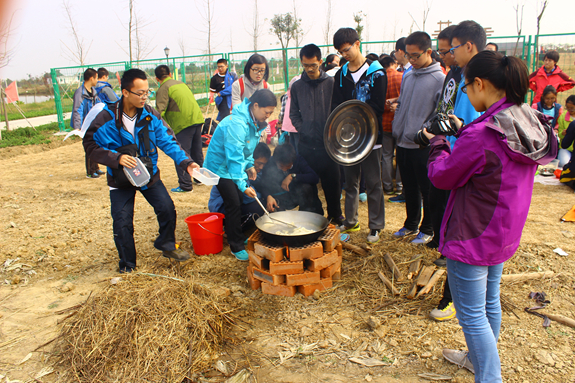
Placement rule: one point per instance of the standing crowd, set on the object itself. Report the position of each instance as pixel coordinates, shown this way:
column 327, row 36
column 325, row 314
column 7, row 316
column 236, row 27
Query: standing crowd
column 465, row 144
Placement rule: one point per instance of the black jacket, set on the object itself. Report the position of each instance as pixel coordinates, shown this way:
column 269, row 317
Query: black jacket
column 371, row 88
column 270, row 182
column 310, row 108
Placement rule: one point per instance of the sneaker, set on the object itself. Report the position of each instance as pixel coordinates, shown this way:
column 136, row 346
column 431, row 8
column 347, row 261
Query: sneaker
column 444, row 311
column 403, row 232
column 362, row 197
column 344, row 237
column 241, row 255
column 398, row 198
column 180, row 190
column 177, row 254
column 459, row 358
column 336, row 221
column 348, row 229
column 373, row 236
column 422, row 239
column 388, row 192
column 433, row 245
column 95, row 175
column 441, row 261
column 100, row 172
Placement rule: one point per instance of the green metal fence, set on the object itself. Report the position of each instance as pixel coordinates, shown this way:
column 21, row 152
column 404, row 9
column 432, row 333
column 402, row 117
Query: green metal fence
column 196, row 71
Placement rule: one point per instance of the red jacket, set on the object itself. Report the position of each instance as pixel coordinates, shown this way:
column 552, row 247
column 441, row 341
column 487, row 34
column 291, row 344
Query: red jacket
column 539, row 80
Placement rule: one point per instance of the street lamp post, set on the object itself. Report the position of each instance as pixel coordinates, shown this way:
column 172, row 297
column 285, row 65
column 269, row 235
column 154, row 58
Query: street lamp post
column 167, row 52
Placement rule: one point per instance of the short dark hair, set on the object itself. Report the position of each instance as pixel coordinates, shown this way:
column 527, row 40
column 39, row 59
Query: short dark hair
column 222, row 61
column 310, row 51
column 285, row 154
column 419, row 39
column 329, row 59
column 571, row 99
column 470, row 31
column 130, row 75
column 506, row 73
column 552, row 55
column 103, row 72
column 89, row 73
column 495, row 45
column 446, row 33
column 256, row 59
column 549, row 89
column 264, row 98
column 162, row 71
column 262, row 150
column 342, row 61
column 372, row 56
column 386, row 61
column 400, row 44
column 344, row 35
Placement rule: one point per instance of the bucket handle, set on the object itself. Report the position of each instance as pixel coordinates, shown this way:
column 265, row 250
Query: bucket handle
column 200, row 225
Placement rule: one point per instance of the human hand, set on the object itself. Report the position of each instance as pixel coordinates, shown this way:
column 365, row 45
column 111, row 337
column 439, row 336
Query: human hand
column 252, row 174
column 272, row 204
column 427, row 134
column 191, row 168
column 562, row 134
column 457, row 121
column 128, row 161
column 286, row 182
column 393, row 107
column 250, row 192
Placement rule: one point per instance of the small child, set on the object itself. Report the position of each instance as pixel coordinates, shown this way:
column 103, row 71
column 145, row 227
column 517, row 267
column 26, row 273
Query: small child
column 565, row 119
column 549, row 105
column 490, row 174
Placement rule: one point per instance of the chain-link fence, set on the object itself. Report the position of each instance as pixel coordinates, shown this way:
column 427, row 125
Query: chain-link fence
column 196, row 71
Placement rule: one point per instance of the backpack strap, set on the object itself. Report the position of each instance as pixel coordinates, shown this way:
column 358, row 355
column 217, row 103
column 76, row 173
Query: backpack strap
column 265, row 84
column 241, row 80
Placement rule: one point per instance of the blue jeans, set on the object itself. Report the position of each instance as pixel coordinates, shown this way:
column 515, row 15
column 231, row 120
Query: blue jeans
column 563, row 156
column 122, row 207
column 475, row 291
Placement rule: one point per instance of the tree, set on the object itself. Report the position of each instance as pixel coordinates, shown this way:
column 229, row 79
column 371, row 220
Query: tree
column 207, row 14
column 182, row 45
column 539, row 17
column 298, row 35
column 358, row 18
column 519, row 24
column 285, row 27
column 138, row 43
column 6, row 53
column 256, row 28
column 78, row 51
column 328, row 25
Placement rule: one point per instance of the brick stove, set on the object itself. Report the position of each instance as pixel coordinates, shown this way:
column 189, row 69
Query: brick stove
column 283, row 270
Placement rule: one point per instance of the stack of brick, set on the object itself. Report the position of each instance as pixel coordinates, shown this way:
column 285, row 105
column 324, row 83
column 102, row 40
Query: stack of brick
column 279, row 270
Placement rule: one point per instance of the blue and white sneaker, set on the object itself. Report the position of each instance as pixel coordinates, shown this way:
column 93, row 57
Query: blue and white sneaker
column 422, row 239
column 180, row 190
column 241, row 255
column 362, row 197
column 403, row 232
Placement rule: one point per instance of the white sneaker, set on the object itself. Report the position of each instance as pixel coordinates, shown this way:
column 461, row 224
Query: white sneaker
column 459, row 358
column 422, row 239
column 373, row 236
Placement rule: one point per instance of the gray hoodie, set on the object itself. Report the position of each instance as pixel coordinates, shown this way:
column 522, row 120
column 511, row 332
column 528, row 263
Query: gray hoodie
column 420, row 90
column 249, row 89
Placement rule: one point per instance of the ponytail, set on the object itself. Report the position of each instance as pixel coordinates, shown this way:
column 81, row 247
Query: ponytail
column 506, row 73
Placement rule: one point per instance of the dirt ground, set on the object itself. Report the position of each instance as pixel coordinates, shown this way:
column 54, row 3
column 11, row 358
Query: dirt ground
column 56, row 247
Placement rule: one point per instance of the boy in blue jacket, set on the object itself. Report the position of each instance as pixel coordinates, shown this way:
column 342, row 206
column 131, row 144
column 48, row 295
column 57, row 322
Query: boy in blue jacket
column 121, row 131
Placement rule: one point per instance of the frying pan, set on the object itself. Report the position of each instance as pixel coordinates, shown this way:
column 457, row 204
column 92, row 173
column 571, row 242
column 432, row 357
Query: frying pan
column 311, row 221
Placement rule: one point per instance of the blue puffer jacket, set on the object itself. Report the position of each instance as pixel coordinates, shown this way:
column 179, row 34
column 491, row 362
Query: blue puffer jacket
column 232, row 146
column 227, row 91
column 83, row 102
column 106, row 134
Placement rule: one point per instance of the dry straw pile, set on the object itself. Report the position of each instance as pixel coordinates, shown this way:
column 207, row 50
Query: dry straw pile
column 143, row 329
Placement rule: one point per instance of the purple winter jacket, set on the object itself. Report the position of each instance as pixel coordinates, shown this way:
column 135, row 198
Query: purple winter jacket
column 490, row 173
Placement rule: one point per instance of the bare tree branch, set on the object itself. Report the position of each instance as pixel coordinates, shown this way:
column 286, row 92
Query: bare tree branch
column 519, row 24
column 207, row 14
column 255, row 29
column 328, row 25
column 538, row 27
column 182, row 44
column 78, row 52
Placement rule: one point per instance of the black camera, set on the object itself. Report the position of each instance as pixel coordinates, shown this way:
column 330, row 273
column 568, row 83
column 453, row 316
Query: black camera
column 441, row 124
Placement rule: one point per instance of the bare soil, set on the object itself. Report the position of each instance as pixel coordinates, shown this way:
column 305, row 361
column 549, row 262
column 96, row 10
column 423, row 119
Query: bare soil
column 56, row 247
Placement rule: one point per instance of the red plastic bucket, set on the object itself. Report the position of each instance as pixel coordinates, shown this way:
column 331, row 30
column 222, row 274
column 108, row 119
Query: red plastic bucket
column 206, row 232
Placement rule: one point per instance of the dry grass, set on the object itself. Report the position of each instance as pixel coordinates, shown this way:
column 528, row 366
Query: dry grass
column 143, row 329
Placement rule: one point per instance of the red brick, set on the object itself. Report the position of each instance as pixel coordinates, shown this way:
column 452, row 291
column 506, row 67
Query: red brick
column 309, row 251
column 329, row 239
column 286, row 267
column 331, row 270
column 283, row 290
column 259, row 262
column 255, row 237
column 306, row 278
column 339, row 249
column 321, row 263
column 270, row 252
column 336, row 276
column 308, row 290
column 264, row 276
column 254, row 283
column 331, row 226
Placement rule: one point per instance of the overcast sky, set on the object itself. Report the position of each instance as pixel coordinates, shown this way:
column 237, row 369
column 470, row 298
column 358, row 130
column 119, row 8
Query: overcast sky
column 42, row 29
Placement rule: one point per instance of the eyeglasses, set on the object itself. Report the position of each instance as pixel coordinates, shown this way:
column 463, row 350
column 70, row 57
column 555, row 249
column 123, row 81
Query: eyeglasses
column 452, row 50
column 442, row 54
column 258, row 71
column 464, row 87
column 345, row 50
column 142, row 95
column 415, row 56
column 310, row 66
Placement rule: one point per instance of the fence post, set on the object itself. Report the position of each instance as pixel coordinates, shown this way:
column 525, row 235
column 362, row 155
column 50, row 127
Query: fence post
column 286, row 70
column 57, row 100
column 183, row 70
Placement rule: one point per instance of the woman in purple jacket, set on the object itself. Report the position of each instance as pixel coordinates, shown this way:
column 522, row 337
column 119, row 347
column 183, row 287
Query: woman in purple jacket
column 490, row 174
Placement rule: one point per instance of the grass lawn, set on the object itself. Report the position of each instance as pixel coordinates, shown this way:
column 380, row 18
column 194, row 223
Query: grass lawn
column 44, row 134
column 36, row 109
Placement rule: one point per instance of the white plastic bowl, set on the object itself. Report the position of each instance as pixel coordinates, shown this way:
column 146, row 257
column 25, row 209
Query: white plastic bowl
column 205, row 176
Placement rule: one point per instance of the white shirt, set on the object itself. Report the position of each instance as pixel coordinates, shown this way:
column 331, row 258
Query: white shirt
column 358, row 73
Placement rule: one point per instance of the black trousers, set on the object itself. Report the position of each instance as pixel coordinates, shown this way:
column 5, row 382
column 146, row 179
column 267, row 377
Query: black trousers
column 329, row 174
column 190, row 140
column 413, row 168
column 223, row 110
column 438, row 202
column 233, row 199
column 91, row 166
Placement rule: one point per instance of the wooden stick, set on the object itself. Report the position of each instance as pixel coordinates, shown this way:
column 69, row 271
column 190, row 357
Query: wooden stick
column 412, row 291
column 424, row 276
column 356, row 249
column 526, row 276
column 431, row 283
column 388, row 283
column 561, row 319
column 394, row 270
column 414, row 266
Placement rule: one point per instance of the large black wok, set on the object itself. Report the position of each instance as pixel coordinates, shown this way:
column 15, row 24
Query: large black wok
column 312, row 221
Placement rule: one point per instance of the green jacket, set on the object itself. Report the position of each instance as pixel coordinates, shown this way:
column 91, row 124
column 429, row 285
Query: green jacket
column 177, row 104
